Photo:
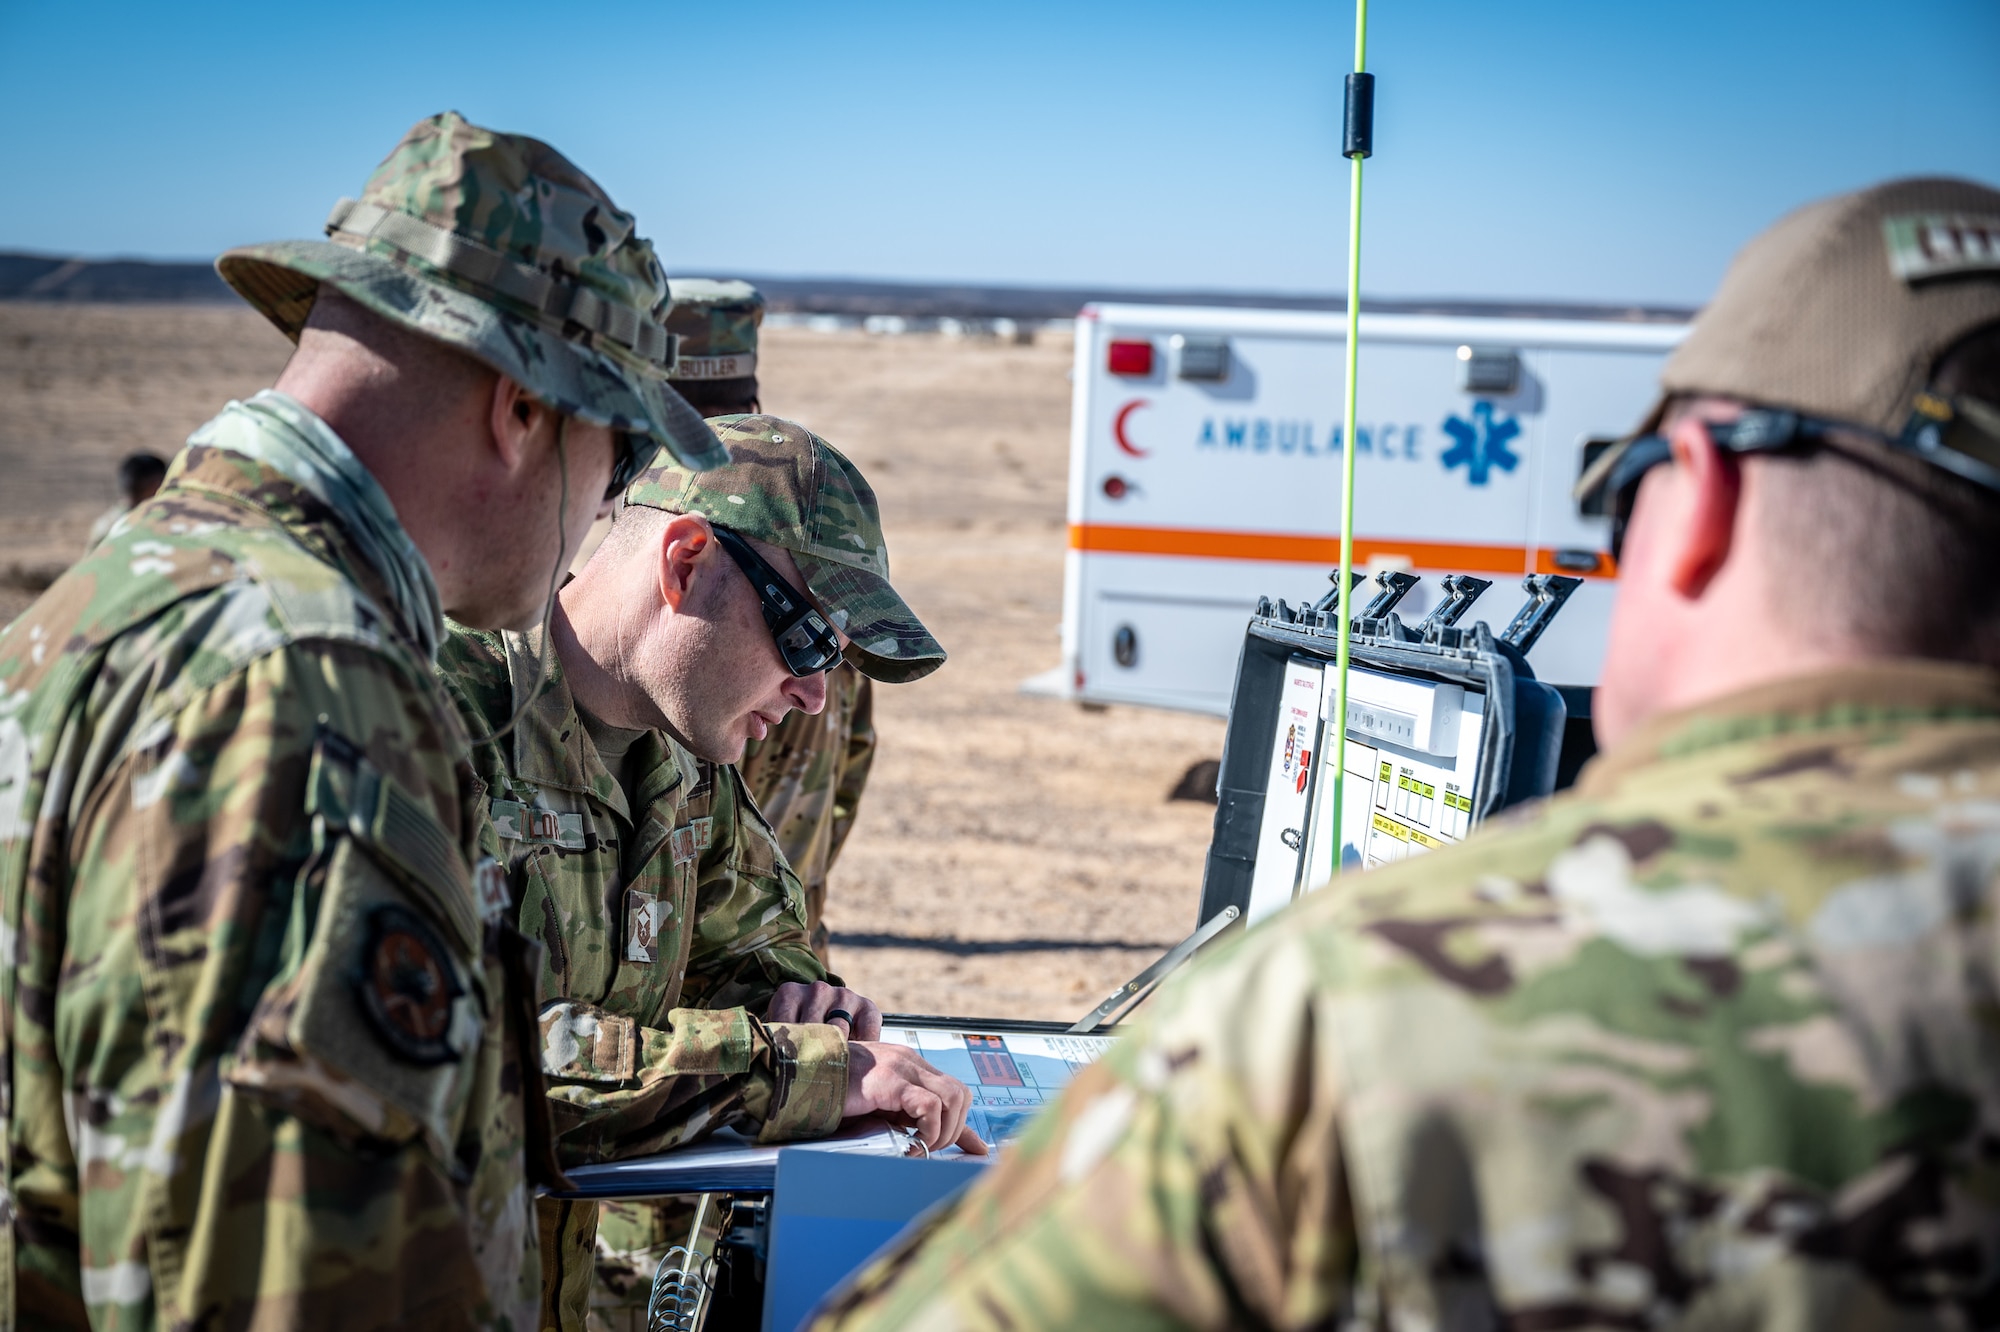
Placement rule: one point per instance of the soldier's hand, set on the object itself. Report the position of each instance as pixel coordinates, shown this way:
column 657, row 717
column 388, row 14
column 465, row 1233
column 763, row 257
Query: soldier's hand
column 858, row 1018
column 895, row 1082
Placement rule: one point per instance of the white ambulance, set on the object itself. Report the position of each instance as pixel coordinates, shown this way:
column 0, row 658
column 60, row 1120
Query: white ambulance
column 1205, row 449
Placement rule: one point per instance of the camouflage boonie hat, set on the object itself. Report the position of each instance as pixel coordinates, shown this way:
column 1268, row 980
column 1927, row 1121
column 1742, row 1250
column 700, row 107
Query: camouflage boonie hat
column 496, row 244
column 717, row 323
column 786, row 486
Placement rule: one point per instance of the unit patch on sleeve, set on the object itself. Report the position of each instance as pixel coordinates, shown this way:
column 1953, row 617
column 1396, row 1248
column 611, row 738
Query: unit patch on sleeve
column 406, row 985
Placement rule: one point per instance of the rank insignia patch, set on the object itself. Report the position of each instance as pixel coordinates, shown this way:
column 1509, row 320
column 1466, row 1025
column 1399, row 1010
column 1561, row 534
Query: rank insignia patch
column 643, row 914
column 406, row 985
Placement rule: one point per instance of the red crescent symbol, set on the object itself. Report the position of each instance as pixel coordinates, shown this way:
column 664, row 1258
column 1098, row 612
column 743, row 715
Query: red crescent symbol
column 1118, row 427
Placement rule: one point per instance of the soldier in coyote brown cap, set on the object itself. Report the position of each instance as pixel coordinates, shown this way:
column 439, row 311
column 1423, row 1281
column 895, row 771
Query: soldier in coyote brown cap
column 259, row 1069
column 678, row 991
column 1712, row 1040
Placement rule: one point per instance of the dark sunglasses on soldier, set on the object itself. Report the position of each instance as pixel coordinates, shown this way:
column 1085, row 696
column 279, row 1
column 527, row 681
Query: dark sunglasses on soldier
column 635, row 455
column 806, row 642
column 1756, row 431
column 1951, row 433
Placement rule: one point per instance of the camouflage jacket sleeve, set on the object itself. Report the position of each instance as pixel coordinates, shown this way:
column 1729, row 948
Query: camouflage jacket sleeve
column 207, row 1129
column 860, row 757
column 1190, row 1178
column 619, row 1089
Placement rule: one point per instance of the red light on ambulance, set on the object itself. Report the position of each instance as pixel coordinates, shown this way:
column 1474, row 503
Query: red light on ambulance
column 1132, row 358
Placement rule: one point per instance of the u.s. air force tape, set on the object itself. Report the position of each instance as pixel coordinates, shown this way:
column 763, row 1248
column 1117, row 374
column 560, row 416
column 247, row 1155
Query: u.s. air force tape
column 736, row 365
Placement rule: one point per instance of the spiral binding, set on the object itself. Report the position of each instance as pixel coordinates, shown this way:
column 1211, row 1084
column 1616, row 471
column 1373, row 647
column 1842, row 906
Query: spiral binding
column 680, row 1292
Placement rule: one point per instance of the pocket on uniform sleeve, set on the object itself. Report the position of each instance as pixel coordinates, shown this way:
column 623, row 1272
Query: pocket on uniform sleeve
column 583, row 1043
column 376, row 1032
column 372, row 1032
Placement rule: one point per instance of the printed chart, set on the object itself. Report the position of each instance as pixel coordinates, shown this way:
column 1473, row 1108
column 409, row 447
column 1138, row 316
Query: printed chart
column 1011, row 1075
column 1412, row 754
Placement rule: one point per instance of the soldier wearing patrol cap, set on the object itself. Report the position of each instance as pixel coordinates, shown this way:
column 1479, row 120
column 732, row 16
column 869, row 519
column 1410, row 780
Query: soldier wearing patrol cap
column 259, row 1068
column 678, row 991
column 716, row 321
column 1709, row 1040
column 807, row 775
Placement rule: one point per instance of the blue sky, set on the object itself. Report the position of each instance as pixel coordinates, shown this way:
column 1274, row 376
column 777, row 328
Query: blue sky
column 1592, row 151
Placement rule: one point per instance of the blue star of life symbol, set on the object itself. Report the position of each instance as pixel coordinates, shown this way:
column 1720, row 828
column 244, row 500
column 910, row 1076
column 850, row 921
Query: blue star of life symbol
column 1480, row 445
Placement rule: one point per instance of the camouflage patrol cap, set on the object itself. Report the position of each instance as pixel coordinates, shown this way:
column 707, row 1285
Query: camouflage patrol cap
column 717, row 323
column 786, row 486
column 1840, row 311
column 499, row 246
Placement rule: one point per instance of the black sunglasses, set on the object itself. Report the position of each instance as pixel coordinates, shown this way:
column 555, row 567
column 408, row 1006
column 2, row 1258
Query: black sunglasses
column 1941, row 431
column 1757, row 431
column 805, row 640
column 635, row 455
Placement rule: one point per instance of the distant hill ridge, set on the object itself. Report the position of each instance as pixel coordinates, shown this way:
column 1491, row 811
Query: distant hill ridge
column 35, row 277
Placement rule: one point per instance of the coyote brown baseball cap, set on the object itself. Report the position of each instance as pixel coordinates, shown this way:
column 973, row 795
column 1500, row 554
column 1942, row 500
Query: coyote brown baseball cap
column 1840, row 310
column 786, row 486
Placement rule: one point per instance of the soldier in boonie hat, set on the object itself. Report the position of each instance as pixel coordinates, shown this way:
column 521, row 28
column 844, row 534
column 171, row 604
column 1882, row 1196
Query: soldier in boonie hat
column 716, row 321
column 786, row 486
column 498, row 245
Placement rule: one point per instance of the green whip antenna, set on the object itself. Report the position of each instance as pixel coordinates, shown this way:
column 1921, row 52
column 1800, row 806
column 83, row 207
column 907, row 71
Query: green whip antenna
column 1357, row 143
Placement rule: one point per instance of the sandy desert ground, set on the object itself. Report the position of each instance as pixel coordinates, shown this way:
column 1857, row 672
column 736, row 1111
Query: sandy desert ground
column 1014, row 857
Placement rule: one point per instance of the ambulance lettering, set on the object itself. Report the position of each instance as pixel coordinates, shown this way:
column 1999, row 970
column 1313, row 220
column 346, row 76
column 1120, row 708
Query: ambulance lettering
column 1262, row 434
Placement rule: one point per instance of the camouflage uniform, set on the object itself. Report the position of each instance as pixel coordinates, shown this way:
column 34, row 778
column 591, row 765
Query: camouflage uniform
column 101, row 526
column 788, row 487
column 226, row 778
column 807, row 775
column 647, row 1009
column 261, row 1052
column 1708, row 1040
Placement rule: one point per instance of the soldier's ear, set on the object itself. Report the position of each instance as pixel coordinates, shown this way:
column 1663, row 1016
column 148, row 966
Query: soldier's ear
column 686, row 555
column 1707, row 488
column 517, row 421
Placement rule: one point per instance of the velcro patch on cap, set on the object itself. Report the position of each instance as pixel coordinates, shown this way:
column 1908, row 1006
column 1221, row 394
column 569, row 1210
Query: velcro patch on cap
column 1934, row 245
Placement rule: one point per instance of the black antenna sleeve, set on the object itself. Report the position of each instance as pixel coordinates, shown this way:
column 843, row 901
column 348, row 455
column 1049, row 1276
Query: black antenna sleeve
column 1359, row 138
